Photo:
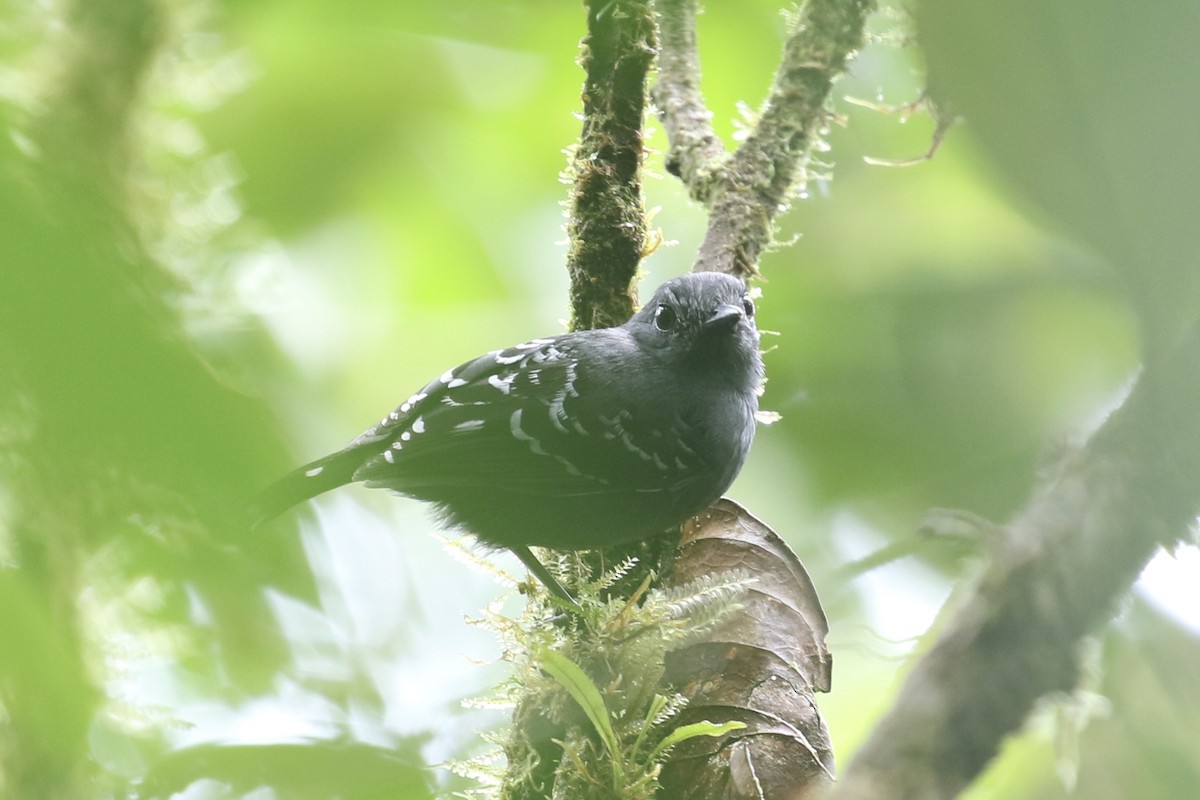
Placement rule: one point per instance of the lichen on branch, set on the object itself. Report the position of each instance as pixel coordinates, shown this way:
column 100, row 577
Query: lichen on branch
column 744, row 191
column 607, row 223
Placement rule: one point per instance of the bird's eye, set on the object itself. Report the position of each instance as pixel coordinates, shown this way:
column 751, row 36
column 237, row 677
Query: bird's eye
column 664, row 318
column 748, row 306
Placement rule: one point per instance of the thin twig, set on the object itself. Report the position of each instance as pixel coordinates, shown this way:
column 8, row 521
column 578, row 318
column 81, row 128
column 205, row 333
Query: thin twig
column 695, row 149
column 745, row 191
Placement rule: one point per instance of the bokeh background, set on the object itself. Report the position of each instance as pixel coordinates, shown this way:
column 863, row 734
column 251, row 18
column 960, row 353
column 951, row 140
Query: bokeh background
column 235, row 234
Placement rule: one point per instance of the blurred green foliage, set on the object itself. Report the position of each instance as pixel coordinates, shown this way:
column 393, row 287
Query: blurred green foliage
column 234, row 234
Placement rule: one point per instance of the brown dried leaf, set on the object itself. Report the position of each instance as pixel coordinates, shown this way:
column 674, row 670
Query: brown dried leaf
column 761, row 667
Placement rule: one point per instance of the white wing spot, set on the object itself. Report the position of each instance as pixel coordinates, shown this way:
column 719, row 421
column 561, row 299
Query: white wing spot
column 314, row 472
column 418, row 425
column 469, row 425
column 404, row 437
column 613, row 422
column 571, row 468
column 627, row 440
column 503, row 384
column 551, row 353
column 457, row 382
column 612, row 426
column 408, row 404
column 514, row 424
column 389, row 456
column 397, row 446
column 557, row 412
column 447, row 376
column 570, row 384
column 503, row 359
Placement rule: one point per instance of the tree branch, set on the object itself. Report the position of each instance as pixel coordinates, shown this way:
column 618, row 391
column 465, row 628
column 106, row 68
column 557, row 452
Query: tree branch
column 746, row 190
column 695, row 149
column 1062, row 563
column 607, row 226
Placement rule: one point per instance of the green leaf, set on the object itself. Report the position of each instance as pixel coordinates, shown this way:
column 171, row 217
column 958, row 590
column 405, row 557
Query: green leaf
column 657, row 704
column 701, row 728
column 577, row 683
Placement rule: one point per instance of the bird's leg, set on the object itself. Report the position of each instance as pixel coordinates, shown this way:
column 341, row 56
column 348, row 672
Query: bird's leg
column 542, row 574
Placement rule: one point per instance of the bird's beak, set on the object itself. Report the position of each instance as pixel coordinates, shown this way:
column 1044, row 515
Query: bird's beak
column 724, row 318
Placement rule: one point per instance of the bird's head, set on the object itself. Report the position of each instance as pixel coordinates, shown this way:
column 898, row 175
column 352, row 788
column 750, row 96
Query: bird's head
column 703, row 323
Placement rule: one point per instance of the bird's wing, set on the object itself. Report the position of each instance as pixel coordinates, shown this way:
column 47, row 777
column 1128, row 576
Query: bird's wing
column 547, row 417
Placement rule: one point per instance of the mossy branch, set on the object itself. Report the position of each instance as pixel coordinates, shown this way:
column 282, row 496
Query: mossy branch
column 745, row 190
column 607, row 225
column 1056, row 574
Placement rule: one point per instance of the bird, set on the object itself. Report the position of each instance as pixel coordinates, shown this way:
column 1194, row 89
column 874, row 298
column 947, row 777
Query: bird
column 576, row 441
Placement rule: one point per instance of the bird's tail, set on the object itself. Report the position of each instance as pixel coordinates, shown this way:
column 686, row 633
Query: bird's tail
column 317, row 477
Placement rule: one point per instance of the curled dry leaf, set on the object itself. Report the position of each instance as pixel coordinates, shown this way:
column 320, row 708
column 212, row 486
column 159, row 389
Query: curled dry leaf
column 761, row 666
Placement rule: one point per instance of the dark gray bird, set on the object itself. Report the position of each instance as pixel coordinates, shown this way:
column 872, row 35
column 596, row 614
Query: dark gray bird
column 577, row 441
